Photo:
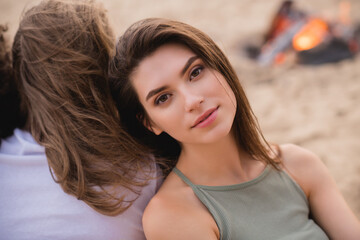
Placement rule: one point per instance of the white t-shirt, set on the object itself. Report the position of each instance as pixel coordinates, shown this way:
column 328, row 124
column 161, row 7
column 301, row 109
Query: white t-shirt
column 33, row 206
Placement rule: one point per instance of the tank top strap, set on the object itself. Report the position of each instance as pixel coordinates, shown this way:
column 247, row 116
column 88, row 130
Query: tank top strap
column 183, row 177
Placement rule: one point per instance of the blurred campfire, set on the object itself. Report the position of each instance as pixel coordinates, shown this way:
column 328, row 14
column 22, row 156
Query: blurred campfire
column 311, row 39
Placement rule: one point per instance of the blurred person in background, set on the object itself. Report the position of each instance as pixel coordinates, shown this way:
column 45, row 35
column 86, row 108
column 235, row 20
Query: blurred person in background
column 68, row 170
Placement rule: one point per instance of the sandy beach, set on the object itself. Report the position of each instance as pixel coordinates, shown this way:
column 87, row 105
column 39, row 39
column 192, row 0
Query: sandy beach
column 316, row 107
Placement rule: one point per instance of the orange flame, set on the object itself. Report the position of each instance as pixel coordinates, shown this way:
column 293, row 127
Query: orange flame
column 311, row 35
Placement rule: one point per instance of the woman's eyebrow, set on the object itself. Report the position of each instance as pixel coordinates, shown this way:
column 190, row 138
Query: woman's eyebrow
column 155, row 91
column 188, row 63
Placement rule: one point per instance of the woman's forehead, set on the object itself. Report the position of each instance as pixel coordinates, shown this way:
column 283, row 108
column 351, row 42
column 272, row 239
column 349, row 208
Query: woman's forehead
column 167, row 59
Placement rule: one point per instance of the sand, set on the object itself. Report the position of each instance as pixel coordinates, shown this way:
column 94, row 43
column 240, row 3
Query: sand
column 316, row 107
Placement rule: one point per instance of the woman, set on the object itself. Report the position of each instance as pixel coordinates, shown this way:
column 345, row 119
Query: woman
column 63, row 128
column 227, row 181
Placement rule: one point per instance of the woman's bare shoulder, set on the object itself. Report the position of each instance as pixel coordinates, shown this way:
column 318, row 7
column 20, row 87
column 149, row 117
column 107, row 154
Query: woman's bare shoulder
column 320, row 188
column 171, row 196
column 305, row 167
column 176, row 213
column 294, row 155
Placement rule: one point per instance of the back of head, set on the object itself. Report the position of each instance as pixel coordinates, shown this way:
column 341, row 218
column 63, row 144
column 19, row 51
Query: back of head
column 60, row 52
column 60, row 57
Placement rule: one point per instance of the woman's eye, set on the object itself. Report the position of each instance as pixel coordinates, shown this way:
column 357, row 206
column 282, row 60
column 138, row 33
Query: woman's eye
column 195, row 72
column 162, row 99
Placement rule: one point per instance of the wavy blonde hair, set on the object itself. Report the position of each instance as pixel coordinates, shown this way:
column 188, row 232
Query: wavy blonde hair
column 60, row 59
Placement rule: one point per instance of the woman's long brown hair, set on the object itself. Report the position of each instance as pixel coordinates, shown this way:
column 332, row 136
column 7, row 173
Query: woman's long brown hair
column 60, row 59
column 142, row 39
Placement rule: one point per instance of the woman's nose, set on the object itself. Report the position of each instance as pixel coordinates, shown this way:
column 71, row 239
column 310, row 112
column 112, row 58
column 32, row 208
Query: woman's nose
column 192, row 101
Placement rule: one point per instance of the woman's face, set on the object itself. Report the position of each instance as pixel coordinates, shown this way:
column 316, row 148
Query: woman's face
column 182, row 97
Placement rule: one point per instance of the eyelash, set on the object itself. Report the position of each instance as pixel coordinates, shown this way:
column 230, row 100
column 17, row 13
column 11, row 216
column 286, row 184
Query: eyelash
column 197, row 68
column 158, row 99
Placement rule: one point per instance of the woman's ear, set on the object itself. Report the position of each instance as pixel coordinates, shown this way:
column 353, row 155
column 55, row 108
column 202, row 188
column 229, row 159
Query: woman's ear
column 150, row 125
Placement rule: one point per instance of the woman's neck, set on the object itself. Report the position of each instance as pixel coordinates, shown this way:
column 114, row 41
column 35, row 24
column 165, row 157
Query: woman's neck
column 218, row 163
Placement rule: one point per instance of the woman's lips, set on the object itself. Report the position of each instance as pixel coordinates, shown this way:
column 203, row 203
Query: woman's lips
column 206, row 118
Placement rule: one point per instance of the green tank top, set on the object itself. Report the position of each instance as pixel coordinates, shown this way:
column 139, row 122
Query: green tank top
column 271, row 206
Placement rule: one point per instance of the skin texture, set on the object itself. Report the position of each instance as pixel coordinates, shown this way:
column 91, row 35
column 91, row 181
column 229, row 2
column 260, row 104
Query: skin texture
column 210, row 155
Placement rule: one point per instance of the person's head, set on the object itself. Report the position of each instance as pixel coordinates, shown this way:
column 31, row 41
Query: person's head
column 61, row 53
column 183, row 97
column 146, row 41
